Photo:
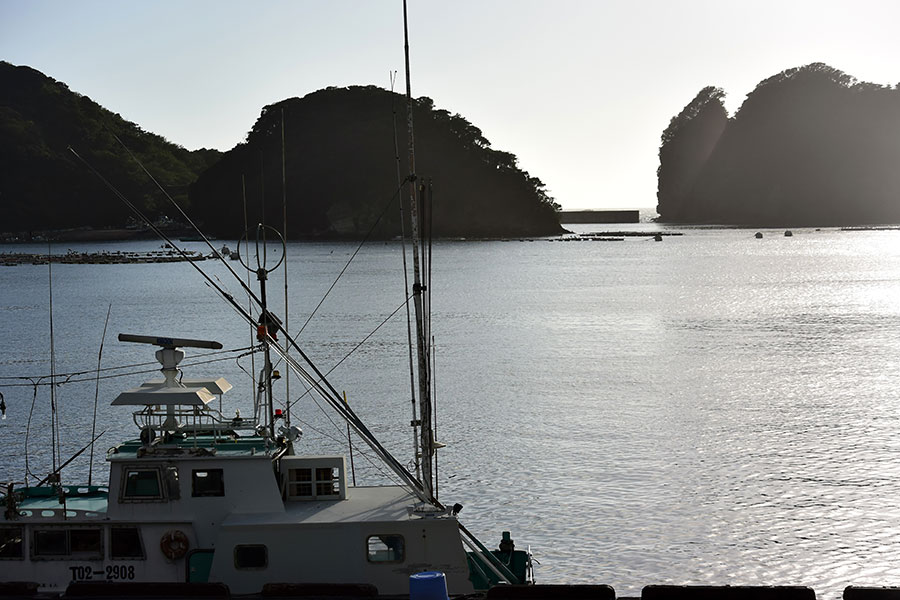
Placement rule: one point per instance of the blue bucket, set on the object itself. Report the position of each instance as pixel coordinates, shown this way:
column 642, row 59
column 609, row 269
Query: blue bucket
column 430, row 585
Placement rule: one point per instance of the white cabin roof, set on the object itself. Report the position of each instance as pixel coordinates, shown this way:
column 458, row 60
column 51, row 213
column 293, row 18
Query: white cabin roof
column 214, row 386
column 164, row 396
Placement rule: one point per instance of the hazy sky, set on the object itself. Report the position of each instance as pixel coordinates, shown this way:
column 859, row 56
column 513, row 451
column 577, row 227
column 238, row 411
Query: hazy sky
column 579, row 90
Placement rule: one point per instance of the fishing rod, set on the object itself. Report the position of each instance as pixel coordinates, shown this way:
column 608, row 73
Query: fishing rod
column 97, row 393
column 73, row 457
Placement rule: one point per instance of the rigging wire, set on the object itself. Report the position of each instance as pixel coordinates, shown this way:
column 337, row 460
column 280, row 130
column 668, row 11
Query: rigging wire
column 328, row 393
column 71, row 377
column 97, row 396
column 172, row 201
column 366, row 455
column 350, row 260
column 324, row 387
column 228, row 297
column 352, row 350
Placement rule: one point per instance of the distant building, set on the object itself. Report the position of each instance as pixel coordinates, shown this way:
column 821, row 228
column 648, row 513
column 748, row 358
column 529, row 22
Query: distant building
column 599, row 216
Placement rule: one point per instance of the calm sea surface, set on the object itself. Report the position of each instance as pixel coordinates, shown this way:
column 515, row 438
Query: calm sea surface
column 711, row 408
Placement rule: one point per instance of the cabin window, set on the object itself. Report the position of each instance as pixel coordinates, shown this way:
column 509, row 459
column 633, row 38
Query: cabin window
column 125, row 542
column 300, row 483
column 387, row 548
column 210, row 482
column 251, row 556
column 50, row 542
column 83, row 543
column 11, row 543
column 141, row 485
column 320, row 482
column 327, row 482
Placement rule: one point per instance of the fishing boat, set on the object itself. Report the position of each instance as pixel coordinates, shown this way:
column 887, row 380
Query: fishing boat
column 197, row 496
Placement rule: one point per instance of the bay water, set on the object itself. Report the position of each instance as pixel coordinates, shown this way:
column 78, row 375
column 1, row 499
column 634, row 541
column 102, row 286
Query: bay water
column 708, row 409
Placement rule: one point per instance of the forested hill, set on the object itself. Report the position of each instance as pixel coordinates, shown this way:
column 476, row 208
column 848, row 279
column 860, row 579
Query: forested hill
column 342, row 172
column 809, row 146
column 44, row 186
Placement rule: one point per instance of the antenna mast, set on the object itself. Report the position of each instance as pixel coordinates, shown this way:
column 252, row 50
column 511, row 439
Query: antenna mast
column 427, row 434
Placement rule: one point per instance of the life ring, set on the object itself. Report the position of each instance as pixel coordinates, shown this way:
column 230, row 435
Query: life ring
column 174, row 544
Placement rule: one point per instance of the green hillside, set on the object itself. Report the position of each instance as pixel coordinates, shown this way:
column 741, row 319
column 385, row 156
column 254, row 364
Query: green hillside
column 44, row 186
column 341, row 172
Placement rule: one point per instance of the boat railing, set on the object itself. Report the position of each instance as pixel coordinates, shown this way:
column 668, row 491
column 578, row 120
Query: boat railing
column 190, row 419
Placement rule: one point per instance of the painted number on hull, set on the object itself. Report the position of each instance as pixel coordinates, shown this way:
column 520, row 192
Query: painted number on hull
column 112, row 573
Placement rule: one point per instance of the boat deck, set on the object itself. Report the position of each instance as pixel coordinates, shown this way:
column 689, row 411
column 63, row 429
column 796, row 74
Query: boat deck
column 378, row 503
column 76, row 501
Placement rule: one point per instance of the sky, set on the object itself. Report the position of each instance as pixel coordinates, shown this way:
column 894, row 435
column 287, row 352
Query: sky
column 579, row 90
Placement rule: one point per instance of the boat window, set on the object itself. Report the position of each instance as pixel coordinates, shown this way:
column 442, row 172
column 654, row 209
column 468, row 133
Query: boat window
column 386, row 548
column 141, row 485
column 125, row 542
column 79, row 542
column 327, row 482
column 50, row 542
column 255, row 556
column 11, row 542
column 85, row 543
column 300, row 483
column 209, row 482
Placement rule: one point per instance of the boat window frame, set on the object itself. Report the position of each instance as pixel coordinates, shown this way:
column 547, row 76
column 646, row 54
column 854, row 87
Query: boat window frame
column 5, row 540
column 140, row 541
column 68, row 553
column 319, row 486
column 217, row 476
column 380, row 537
column 86, row 554
column 161, row 483
column 239, row 567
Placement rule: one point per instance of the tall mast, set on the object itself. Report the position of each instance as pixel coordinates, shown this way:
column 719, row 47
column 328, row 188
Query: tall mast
column 427, row 436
